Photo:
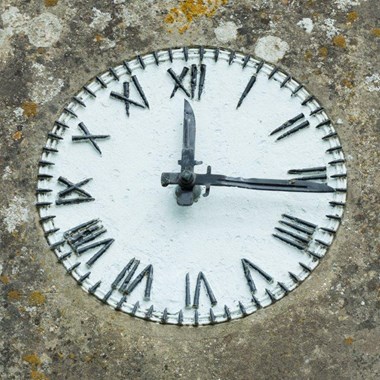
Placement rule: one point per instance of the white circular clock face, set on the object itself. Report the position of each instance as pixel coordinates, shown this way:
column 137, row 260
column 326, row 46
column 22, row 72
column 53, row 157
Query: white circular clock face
column 276, row 191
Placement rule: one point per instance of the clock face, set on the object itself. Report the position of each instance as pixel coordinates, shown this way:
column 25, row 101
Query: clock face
column 167, row 253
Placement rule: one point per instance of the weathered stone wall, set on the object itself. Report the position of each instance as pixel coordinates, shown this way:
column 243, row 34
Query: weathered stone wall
column 50, row 329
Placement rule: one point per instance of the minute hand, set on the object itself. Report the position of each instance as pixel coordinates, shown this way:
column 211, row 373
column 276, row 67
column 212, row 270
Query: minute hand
column 251, row 183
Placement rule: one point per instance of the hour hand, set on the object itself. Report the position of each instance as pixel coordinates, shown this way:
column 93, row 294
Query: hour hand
column 187, row 160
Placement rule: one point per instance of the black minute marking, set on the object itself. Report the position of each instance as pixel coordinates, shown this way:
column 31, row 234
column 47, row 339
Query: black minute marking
column 201, row 80
column 193, row 79
column 246, row 90
column 88, row 137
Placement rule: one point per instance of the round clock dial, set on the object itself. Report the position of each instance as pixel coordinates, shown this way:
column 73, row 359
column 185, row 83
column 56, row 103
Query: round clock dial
column 191, row 185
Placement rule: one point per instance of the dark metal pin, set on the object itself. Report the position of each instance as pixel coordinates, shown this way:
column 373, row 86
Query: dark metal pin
column 125, row 99
column 140, row 90
column 333, row 203
column 107, row 296
column 274, row 71
column 164, row 317
column 259, row 66
column 326, row 122
column 44, row 176
column 294, row 235
column 297, row 89
column 305, row 267
column 141, row 62
column 126, row 65
column 243, row 309
column 341, row 175
column 231, row 57
column 294, row 277
column 201, row 53
column 246, row 60
column 314, row 255
column 48, row 218
column 283, row 287
column 149, row 313
column 49, row 150
column 311, row 178
column 52, row 231
column 227, row 313
column 332, row 134
column 170, row 53
column 120, row 303
column 70, row 112
column 308, row 100
column 83, row 277
column 112, row 71
column 270, row 295
column 335, row 217
column 46, row 163
column 132, row 270
column 216, row 54
column 43, row 204
column 94, row 287
column 299, row 220
column 155, row 56
column 120, row 276
column 70, row 270
column 135, row 308
column 329, row 230
column 196, row 318
column 60, row 124
column 186, row 52
column 180, row 318
column 101, row 81
column 334, row 149
column 54, row 136
column 79, row 101
column 64, row 256
column 317, row 110
column 339, row 161
column 297, row 227
column 257, row 303
column 57, row 244
column 307, row 170
column 293, row 243
column 321, row 242
column 89, row 91
column 212, row 317
column 285, row 81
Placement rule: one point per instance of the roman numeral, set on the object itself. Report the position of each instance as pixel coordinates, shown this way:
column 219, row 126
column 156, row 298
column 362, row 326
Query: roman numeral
column 194, row 81
column 297, row 233
column 201, row 278
column 247, row 266
column 316, row 173
column 79, row 237
column 247, row 90
column 83, row 196
column 129, row 283
column 88, row 137
column 288, row 124
column 126, row 93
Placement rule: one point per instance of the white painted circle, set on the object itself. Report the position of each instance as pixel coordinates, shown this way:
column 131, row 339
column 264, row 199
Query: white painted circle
column 216, row 233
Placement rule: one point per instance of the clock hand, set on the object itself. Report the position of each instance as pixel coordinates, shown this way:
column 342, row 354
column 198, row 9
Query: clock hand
column 245, row 183
column 187, row 194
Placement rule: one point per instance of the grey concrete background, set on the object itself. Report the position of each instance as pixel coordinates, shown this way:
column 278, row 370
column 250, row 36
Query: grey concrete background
column 50, row 329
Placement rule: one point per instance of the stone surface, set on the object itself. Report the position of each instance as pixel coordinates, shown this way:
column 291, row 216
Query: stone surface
column 50, row 329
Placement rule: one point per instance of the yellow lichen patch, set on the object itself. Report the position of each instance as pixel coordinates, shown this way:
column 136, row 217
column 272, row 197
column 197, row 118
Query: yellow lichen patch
column 35, row 375
column 4, row 279
column 32, row 359
column 14, row 295
column 30, row 109
column 348, row 341
column 352, row 16
column 51, row 3
column 323, row 51
column 36, row 299
column 99, row 38
column 188, row 10
column 308, row 55
column 376, row 32
column 339, row 41
column 17, row 136
column 347, row 83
